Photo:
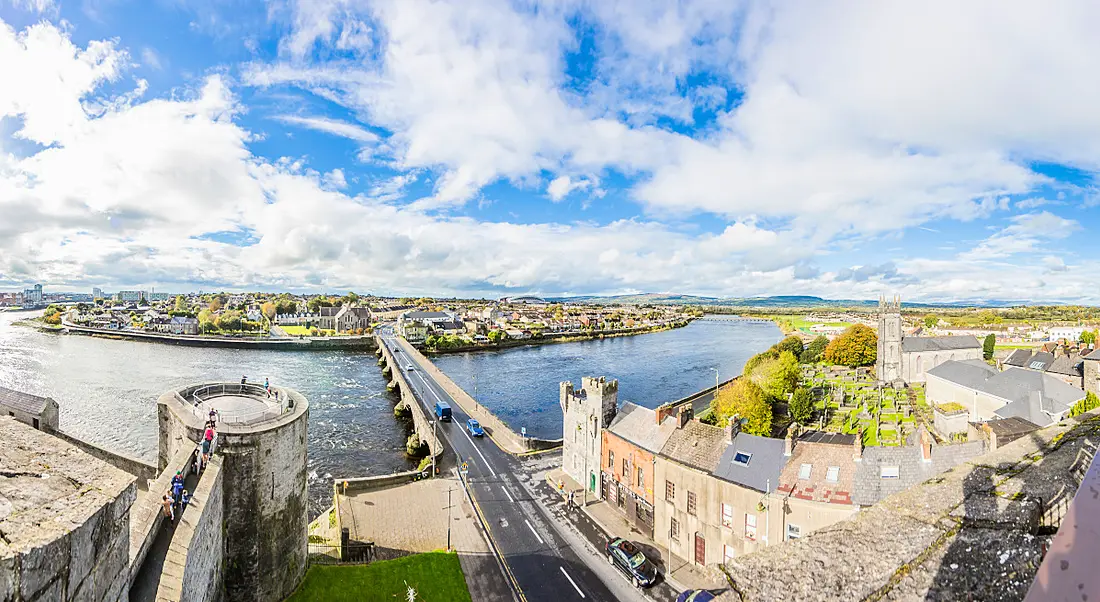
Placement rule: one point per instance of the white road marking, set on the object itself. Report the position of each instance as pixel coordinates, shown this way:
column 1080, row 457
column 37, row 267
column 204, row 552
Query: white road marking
column 510, row 498
column 464, row 433
column 537, row 536
column 571, row 582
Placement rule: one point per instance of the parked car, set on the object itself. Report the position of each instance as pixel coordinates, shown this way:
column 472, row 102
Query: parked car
column 625, row 556
column 475, row 428
column 443, row 411
column 695, row 595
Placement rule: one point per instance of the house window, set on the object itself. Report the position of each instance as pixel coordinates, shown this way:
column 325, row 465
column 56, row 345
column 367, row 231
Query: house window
column 728, row 553
column 727, row 516
column 833, row 474
column 670, row 491
column 750, row 527
column 742, row 458
column 641, row 477
column 889, row 472
column 675, row 529
column 611, row 460
column 691, row 503
column 804, row 471
column 626, row 468
column 794, row 531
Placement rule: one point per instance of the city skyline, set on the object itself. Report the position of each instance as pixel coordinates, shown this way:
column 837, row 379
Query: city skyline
column 490, row 149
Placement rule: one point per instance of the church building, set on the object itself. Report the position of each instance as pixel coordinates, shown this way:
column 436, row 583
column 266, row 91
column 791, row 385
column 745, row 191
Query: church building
column 904, row 359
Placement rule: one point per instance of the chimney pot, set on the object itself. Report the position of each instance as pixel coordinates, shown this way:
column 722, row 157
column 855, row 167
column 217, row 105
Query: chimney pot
column 788, row 442
column 925, row 445
column 683, row 417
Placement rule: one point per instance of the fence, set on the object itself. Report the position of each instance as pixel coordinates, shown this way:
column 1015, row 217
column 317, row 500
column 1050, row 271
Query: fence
column 196, row 399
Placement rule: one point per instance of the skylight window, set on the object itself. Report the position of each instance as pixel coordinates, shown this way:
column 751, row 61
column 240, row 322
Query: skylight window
column 833, row 474
column 804, row 471
column 890, row 472
column 1037, row 365
column 742, row 458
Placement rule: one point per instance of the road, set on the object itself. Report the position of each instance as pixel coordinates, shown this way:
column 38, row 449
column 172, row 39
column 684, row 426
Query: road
column 545, row 559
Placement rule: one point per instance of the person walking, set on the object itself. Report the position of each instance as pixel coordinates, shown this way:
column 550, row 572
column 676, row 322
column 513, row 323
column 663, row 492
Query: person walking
column 166, row 505
column 177, row 486
column 244, row 380
column 205, row 451
column 184, row 499
column 213, row 417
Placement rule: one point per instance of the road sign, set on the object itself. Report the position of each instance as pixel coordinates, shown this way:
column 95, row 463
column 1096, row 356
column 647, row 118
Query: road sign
column 465, row 467
column 523, row 431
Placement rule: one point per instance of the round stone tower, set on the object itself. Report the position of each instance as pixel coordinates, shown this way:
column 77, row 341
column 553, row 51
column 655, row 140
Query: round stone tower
column 261, row 439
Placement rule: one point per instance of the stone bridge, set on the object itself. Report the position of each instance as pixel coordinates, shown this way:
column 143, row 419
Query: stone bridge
column 422, row 426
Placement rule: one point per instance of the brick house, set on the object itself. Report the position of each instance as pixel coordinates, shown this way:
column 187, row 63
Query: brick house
column 629, row 446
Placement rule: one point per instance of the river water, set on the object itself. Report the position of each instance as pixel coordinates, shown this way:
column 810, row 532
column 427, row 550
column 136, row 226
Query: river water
column 108, row 389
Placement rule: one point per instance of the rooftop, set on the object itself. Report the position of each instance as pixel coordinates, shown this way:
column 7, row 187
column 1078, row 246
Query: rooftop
column 944, row 343
column 639, row 426
column 238, row 406
column 696, row 445
column 25, row 402
column 49, row 487
column 752, row 461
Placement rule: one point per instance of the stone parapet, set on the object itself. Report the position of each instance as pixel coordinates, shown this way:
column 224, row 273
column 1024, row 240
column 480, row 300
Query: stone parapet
column 146, row 516
column 975, row 532
column 194, row 564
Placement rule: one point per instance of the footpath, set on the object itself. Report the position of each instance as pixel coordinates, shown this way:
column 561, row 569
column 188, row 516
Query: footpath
column 599, row 523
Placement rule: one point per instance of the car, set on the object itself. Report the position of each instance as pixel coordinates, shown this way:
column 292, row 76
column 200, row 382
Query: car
column 695, row 595
column 474, row 427
column 625, row 556
column 409, row 368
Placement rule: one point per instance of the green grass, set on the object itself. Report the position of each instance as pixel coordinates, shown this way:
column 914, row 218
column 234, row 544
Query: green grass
column 436, row 576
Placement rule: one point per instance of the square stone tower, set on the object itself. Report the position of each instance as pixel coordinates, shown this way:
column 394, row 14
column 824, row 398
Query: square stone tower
column 888, row 362
column 586, row 413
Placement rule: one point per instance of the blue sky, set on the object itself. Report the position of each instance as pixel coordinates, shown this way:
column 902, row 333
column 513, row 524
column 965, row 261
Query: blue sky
column 489, row 147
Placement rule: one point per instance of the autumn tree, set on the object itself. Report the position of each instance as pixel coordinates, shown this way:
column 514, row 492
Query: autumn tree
column 802, row 406
column 814, row 350
column 989, row 345
column 777, row 375
column 856, row 346
column 268, row 309
column 744, row 399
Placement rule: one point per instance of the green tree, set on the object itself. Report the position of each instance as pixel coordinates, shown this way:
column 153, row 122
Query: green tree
column 815, row 349
column 315, row 304
column 777, row 376
column 1088, row 337
column 759, row 358
column 181, row 304
column 792, row 344
column 989, row 345
column 285, row 306
column 1090, row 402
column 744, row 399
column 856, row 346
column 229, row 320
column 496, row 335
column 802, row 406
column 930, row 321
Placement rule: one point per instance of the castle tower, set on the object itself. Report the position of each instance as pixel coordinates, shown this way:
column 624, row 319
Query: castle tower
column 888, row 362
column 586, row 412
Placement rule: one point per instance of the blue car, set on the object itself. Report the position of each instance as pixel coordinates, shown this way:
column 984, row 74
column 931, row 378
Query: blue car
column 695, row 595
column 474, row 428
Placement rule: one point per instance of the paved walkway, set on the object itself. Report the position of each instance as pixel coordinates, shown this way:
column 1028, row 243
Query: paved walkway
column 683, row 576
column 413, row 518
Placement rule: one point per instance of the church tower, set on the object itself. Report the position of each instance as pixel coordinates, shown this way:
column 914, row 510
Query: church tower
column 888, row 363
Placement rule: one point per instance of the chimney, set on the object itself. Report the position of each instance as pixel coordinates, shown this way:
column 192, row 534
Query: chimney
column 664, row 411
column 683, row 416
column 857, row 446
column 733, row 427
column 925, row 439
column 788, row 443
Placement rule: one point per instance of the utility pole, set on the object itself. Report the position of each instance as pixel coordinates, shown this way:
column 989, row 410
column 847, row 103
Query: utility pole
column 435, row 435
column 449, row 490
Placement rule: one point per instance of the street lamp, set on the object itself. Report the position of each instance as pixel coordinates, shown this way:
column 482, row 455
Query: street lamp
column 716, row 381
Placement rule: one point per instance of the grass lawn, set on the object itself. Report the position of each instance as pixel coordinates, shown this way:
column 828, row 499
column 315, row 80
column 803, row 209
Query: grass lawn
column 436, row 576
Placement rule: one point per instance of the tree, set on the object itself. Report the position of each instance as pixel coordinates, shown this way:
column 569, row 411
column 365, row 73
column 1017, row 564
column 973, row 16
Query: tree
column 285, row 306
column 268, row 309
column 230, row 320
column 315, row 304
column 930, row 321
column 1088, row 337
column 758, row 359
column 802, row 406
column 989, row 345
column 777, row 376
column 792, row 344
column 856, row 346
column 496, row 335
column 814, row 350
column 1090, row 402
column 217, row 302
column 53, row 319
column 744, row 399
column 206, row 320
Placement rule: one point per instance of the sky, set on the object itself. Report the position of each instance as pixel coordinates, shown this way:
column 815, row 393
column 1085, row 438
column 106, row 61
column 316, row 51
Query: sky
column 942, row 151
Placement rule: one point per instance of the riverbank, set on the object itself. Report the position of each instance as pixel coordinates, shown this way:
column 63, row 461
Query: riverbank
column 287, row 344
column 553, row 338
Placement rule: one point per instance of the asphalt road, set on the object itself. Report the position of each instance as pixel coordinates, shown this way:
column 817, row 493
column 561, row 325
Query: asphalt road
column 545, row 559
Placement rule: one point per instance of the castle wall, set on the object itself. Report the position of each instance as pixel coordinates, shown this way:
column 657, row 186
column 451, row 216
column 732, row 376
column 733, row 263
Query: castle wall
column 585, row 413
column 195, row 573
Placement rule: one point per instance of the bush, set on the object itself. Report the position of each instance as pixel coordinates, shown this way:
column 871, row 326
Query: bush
column 1090, row 402
column 802, row 406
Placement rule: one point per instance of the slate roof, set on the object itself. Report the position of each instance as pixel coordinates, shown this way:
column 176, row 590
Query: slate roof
column 1095, row 355
column 426, row 315
column 916, row 344
column 328, row 312
column 696, row 445
column 639, row 426
column 765, row 464
column 1052, row 397
column 1010, row 429
column 1069, row 365
column 1040, row 361
column 812, row 449
column 25, row 402
column 871, row 488
column 1019, row 358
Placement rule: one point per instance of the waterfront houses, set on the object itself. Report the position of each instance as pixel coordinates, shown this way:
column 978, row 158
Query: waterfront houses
column 630, row 445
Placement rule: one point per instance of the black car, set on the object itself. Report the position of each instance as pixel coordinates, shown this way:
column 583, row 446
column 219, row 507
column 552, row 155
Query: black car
column 626, row 556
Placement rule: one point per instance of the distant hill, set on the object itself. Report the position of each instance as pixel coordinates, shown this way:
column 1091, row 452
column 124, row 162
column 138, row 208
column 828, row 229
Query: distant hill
column 777, row 301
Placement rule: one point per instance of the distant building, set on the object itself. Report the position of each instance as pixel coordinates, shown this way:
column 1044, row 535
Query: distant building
column 39, row 412
column 906, row 359
column 130, row 296
column 158, row 296
column 326, row 317
column 97, row 293
column 1063, row 365
column 33, row 296
column 183, row 325
column 352, row 318
column 1069, row 333
column 388, row 312
column 414, row 331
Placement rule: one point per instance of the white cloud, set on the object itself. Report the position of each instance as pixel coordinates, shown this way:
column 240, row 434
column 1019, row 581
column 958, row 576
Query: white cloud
column 38, row 6
column 332, row 126
column 151, row 58
column 1026, row 233
column 561, row 186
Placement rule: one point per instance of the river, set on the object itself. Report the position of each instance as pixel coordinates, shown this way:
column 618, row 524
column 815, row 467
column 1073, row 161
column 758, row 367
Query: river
column 107, row 389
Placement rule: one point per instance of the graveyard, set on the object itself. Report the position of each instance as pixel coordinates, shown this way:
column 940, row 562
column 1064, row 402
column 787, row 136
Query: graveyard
column 848, row 400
